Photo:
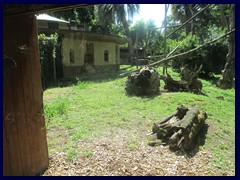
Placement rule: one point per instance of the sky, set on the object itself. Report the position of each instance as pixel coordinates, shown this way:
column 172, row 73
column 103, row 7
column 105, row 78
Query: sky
column 151, row 11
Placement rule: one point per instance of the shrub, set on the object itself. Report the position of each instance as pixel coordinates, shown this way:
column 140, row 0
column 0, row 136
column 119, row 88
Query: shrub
column 47, row 48
column 212, row 56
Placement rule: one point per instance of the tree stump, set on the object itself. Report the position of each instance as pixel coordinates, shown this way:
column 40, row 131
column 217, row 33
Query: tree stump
column 188, row 82
column 146, row 82
column 180, row 130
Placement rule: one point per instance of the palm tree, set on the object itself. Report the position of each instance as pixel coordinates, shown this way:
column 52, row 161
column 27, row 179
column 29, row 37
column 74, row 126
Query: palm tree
column 118, row 13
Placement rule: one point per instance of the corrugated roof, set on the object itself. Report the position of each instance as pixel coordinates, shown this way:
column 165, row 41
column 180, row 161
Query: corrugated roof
column 45, row 17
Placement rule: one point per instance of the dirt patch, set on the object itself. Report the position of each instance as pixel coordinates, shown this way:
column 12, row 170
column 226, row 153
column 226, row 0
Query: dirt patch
column 119, row 155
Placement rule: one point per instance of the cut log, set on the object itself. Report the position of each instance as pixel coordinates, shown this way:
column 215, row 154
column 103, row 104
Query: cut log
column 181, row 129
column 146, row 82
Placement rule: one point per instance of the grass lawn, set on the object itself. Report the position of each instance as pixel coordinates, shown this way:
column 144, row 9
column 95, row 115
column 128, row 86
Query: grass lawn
column 94, row 115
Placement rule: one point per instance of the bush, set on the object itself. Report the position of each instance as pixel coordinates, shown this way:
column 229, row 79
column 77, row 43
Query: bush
column 49, row 59
column 56, row 108
column 212, row 56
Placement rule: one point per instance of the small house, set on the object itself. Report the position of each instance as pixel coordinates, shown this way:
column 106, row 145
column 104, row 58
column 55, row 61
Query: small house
column 83, row 53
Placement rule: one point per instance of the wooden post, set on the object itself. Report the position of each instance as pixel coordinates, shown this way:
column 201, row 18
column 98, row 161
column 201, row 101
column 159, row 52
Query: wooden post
column 25, row 143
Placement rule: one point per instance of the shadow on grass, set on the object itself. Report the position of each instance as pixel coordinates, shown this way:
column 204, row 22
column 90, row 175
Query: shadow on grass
column 150, row 96
column 96, row 78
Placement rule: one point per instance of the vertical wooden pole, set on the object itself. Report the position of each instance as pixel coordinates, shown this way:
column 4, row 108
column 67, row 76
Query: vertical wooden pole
column 25, row 145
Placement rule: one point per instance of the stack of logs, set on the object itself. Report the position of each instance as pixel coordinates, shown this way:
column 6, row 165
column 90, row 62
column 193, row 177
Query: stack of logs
column 145, row 82
column 180, row 130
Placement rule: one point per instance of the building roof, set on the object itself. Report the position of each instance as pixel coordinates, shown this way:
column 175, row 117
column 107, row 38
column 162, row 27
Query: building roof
column 45, row 17
column 89, row 36
column 30, row 9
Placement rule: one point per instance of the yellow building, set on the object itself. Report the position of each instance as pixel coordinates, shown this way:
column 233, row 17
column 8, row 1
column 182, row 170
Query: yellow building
column 83, row 53
column 88, row 53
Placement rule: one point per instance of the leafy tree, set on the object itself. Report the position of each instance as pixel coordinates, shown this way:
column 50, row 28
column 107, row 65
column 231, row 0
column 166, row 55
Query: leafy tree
column 79, row 15
column 146, row 36
column 183, row 12
column 208, row 25
column 117, row 14
column 153, row 38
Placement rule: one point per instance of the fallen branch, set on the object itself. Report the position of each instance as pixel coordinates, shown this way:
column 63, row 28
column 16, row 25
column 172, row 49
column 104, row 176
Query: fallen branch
column 169, row 54
column 178, row 55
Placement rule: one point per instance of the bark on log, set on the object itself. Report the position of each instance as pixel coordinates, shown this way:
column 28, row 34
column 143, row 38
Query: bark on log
column 228, row 74
column 189, row 82
column 181, row 129
column 146, row 82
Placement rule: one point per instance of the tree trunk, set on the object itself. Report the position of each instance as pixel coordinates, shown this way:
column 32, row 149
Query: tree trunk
column 165, row 39
column 193, row 21
column 130, row 43
column 188, row 16
column 146, row 82
column 228, row 74
column 189, row 82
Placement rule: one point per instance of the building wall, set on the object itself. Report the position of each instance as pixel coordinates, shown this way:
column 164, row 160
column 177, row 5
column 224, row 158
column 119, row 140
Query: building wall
column 99, row 48
column 78, row 67
column 44, row 25
column 78, row 47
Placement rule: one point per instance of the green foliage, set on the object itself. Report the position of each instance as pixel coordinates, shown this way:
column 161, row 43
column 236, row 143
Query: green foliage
column 48, row 45
column 87, row 153
column 80, row 84
column 190, row 42
column 110, row 14
column 212, row 57
column 210, row 24
column 56, row 108
column 71, row 153
column 146, row 36
column 80, row 15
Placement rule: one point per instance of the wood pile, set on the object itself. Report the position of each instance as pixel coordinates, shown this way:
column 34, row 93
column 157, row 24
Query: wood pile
column 181, row 129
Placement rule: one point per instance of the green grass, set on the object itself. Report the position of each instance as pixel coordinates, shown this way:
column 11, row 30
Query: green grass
column 87, row 109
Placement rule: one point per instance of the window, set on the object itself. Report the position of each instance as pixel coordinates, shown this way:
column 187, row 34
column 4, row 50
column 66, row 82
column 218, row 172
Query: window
column 106, row 58
column 89, row 54
column 71, row 53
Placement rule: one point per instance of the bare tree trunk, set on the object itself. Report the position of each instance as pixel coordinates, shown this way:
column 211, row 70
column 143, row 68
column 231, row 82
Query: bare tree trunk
column 130, row 43
column 228, row 74
column 193, row 21
column 165, row 39
column 136, row 44
column 188, row 16
column 224, row 19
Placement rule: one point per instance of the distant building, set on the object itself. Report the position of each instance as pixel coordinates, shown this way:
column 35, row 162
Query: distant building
column 49, row 24
column 83, row 52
